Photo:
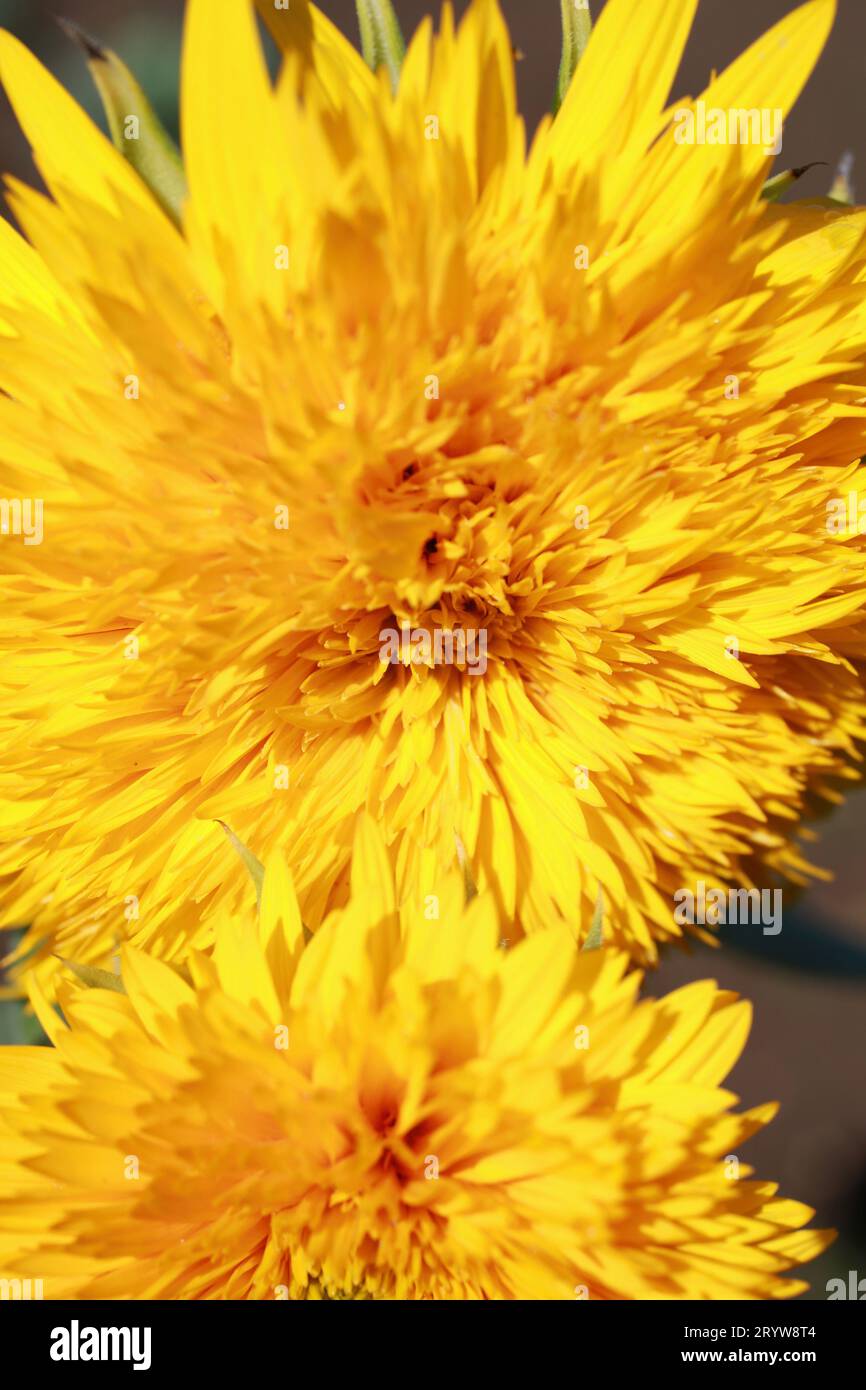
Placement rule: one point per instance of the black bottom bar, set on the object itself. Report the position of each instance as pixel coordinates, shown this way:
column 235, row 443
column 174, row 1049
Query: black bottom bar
column 83, row 1339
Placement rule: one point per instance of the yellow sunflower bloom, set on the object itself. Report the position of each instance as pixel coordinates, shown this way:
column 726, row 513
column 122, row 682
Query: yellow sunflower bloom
column 399, row 1109
column 414, row 473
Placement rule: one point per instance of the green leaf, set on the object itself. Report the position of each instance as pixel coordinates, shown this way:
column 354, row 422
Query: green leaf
column 576, row 29
column 135, row 127
column 94, row 978
column 255, row 868
column 596, row 931
column 382, row 40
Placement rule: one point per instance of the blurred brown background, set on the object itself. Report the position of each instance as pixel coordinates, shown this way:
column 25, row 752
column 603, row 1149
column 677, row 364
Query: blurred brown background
column 809, row 984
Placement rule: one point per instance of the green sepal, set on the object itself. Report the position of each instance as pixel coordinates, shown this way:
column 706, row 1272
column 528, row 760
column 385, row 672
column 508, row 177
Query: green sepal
column 470, row 887
column 780, row 183
column 595, row 939
column 382, row 42
column 93, row 977
column 576, row 29
column 254, row 866
column 150, row 150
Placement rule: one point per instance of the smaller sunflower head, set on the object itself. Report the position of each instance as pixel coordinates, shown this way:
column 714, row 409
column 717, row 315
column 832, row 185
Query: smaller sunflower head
column 394, row 1109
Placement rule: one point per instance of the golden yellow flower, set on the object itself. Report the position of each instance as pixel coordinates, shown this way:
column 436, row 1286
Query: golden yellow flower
column 400, row 1109
column 588, row 403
